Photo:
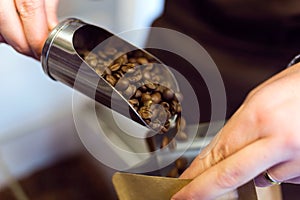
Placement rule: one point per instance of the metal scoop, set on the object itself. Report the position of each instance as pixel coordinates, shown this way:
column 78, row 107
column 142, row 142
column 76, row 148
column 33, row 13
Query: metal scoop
column 63, row 59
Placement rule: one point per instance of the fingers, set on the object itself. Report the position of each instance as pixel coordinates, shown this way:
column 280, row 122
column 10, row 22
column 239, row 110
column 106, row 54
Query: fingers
column 238, row 132
column 232, row 172
column 51, row 13
column 34, row 22
column 284, row 172
column 2, row 40
column 11, row 27
column 25, row 24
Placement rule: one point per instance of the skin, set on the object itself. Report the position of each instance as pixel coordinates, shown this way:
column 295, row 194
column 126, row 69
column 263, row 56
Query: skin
column 262, row 135
column 25, row 24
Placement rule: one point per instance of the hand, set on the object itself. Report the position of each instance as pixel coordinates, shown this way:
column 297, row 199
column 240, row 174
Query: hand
column 262, row 135
column 25, row 24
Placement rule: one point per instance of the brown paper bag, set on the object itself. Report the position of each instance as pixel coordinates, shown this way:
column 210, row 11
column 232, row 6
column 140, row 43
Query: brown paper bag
column 133, row 187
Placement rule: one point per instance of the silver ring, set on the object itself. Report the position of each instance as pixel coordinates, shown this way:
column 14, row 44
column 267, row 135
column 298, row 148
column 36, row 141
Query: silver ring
column 270, row 179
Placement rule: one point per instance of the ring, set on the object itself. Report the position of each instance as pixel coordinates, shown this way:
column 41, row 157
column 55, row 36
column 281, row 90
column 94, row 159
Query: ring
column 270, row 179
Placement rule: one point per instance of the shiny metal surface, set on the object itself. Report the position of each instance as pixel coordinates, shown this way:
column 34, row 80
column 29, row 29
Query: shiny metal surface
column 62, row 61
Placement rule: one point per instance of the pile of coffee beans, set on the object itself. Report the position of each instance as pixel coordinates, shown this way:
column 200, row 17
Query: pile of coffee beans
column 145, row 84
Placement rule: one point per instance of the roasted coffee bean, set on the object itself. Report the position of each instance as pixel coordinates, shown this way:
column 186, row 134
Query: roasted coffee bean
column 165, row 105
column 181, row 163
column 147, row 75
column 107, row 71
column 114, row 67
column 156, row 97
column 138, row 93
column 173, row 173
column 181, row 136
column 156, row 78
column 179, row 96
column 155, row 125
column 122, row 59
column 110, row 51
column 164, row 129
column 119, row 74
column 111, row 79
column 129, row 92
column 149, row 67
column 151, row 86
column 148, row 103
column 122, row 84
column 93, row 62
column 145, row 97
column 134, row 102
column 102, row 55
column 180, row 123
column 164, row 142
column 143, row 88
column 178, row 108
column 142, row 60
column 132, row 60
column 145, row 112
column 168, row 94
column 125, row 69
column 173, row 144
column 136, row 77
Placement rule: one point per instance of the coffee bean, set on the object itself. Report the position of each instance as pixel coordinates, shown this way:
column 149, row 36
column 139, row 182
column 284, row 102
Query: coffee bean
column 173, row 173
column 145, row 97
column 164, row 129
column 173, row 144
column 111, row 79
column 102, row 55
column 156, row 97
column 181, row 136
column 122, row 60
column 122, row 84
column 145, row 112
column 179, row 96
column 147, row 75
column 142, row 60
column 165, row 142
column 150, row 85
column 181, row 163
column 180, row 123
column 168, row 94
column 107, row 71
column 110, row 51
column 134, row 102
column 93, row 62
column 129, row 91
column 148, row 103
column 138, row 93
column 114, row 67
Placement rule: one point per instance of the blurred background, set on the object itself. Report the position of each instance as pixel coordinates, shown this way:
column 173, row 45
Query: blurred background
column 36, row 122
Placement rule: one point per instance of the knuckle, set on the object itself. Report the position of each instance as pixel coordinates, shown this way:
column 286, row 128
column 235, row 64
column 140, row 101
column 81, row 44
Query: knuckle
column 228, row 177
column 219, row 153
column 22, row 48
column 27, row 8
